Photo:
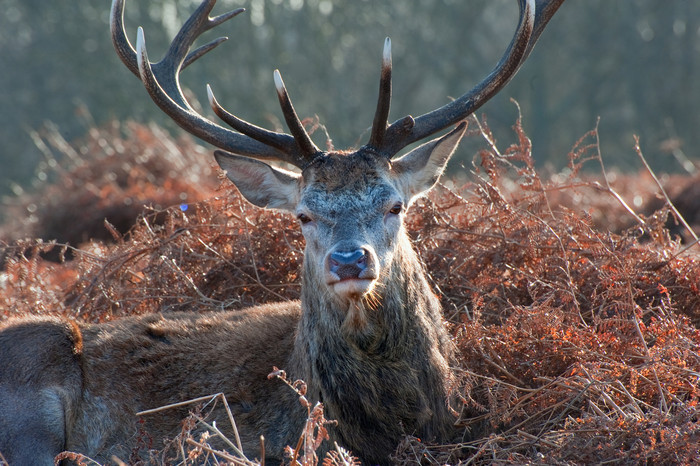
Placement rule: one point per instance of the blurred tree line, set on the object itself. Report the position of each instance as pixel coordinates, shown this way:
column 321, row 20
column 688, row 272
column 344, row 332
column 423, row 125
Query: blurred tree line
column 634, row 63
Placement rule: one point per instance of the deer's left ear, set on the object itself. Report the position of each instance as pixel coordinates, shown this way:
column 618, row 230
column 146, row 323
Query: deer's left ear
column 260, row 183
column 419, row 170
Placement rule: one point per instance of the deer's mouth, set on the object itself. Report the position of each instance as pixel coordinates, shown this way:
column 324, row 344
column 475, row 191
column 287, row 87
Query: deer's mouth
column 353, row 288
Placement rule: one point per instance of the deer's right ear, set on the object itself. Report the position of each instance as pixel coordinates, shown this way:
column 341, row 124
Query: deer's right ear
column 261, row 184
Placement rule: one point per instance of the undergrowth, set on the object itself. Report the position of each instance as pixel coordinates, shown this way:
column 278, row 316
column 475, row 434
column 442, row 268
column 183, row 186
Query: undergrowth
column 577, row 338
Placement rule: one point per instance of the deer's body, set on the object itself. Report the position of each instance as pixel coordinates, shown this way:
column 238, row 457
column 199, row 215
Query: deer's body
column 120, row 368
column 367, row 335
column 378, row 362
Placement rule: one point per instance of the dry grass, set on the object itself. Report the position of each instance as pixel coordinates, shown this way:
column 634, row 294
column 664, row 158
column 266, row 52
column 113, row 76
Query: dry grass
column 114, row 174
column 577, row 345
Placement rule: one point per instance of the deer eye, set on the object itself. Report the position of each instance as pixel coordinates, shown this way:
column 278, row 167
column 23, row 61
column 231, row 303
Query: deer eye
column 303, row 218
column 396, row 210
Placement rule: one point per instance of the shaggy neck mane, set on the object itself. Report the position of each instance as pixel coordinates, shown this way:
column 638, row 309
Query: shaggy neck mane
column 379, row 324
column 378, row 352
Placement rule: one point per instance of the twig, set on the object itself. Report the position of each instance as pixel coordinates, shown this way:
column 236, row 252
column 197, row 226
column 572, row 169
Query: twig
column 220, row 454
column 676, row 150
column 179, row 404
column 607, row 183
column 209, row 398
column 597, row 410
column 77, row 457
column 611, row 403
column 662, row 398
column 238, row 448
column 170, row 262
column 262, row 450
column 118, row 461
column 634, row 404
column 678, row 215
column 487, row 136
column 232, row 421
column 535, row 438
column 501, row 368
column 685, row 249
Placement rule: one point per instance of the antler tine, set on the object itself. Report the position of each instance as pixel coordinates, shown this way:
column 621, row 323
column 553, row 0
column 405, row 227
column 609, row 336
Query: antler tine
column 294, row 124
column 213, row 22
column 198, row 23
column 197, row 53
column 279, row 140
column 534, row 15
column 125, row 51
column 544, row 11
column 161, row 80
column 381, row 115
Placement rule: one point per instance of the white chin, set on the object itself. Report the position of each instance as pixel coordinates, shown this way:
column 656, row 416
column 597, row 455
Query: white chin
column 353, row 289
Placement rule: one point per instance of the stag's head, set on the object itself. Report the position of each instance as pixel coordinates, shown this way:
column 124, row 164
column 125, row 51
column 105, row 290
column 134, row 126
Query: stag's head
column 350, row 204
column 350, row 207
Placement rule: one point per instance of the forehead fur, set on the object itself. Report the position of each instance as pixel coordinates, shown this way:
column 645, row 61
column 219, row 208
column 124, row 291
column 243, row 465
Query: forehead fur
column 352, row 183
column 347, row 170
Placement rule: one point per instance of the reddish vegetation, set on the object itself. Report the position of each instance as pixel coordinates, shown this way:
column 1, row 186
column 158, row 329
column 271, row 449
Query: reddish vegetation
column 577, row 345
column 108, row 176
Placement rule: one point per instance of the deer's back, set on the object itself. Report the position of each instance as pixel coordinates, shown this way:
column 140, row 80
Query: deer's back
column 111, row 371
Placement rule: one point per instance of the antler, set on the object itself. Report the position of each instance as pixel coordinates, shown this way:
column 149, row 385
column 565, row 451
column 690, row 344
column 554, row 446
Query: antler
column 161, row 80
column 390, row 139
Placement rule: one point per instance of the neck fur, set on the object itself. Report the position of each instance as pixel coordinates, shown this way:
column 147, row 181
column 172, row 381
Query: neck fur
column 381, row 321
column 378, row 363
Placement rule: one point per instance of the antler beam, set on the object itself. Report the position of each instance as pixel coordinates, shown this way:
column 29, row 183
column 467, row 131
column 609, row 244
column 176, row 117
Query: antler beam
column 161, row 80
column 534, row 16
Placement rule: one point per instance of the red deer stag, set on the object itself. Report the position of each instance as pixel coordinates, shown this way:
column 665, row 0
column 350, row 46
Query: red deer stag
column 367, row 335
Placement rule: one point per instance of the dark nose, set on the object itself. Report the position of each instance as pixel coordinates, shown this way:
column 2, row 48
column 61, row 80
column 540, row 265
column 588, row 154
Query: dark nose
column 348, row 264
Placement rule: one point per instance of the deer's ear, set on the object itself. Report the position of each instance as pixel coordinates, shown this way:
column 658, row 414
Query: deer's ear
column 260, row 183
column 420, row 169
